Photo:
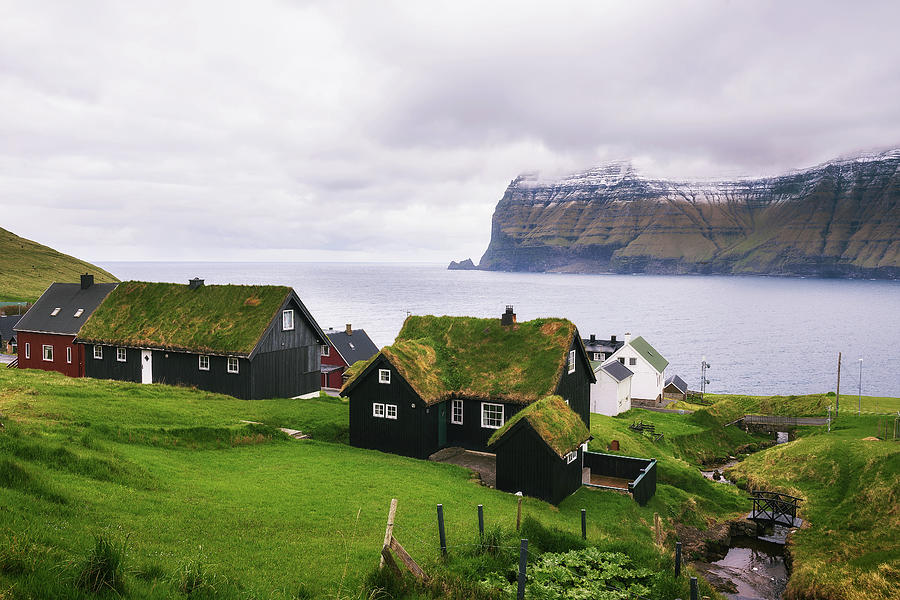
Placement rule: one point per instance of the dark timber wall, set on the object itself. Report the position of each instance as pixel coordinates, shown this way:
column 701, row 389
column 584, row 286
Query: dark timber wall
column 108, row 367
column 576, row 387
column 471, row 435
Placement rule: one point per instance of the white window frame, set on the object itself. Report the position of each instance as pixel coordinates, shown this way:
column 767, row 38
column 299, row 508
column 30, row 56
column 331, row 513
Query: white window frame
column 27, row 349
column 384, row 375
column 121, row 354
column 597, row 356
column 45, row 353
column 326, row 350
column 571, row 361
column 232, row 360
column 285, row 316
column 69, row 354
column 572, row 456
column 390, row 411
column 200, row 362
column 454, row 405
column 484, row 421
column 378, row 410
column 98, row 352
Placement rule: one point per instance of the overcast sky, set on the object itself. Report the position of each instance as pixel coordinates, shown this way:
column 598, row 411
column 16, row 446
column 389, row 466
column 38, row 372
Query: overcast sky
column 273, row 130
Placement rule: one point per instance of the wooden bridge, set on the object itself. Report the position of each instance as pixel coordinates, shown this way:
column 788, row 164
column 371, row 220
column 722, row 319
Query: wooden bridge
column 775, row 508
column 775, row 421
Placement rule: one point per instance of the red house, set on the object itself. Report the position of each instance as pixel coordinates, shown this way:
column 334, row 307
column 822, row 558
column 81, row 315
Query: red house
column 46, row 333
column 346, row 348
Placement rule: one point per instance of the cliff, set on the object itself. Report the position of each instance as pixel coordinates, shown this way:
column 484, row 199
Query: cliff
column 839, row 219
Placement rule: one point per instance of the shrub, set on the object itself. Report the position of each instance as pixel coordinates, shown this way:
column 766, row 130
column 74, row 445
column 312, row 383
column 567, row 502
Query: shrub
column 103, row 568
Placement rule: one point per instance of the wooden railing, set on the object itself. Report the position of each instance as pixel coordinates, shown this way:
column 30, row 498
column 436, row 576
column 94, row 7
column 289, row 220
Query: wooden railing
column 774, row 507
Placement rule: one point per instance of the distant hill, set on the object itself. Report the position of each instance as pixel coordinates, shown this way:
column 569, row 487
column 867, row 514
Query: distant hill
column 838, row 219
column 28, row 268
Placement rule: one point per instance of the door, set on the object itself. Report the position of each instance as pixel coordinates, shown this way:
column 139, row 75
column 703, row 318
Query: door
column 442, row 424
column 146, row 366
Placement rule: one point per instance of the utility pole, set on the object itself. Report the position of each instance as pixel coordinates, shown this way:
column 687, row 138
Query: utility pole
column 859, row 406
column 838, row 399
column 703, row 380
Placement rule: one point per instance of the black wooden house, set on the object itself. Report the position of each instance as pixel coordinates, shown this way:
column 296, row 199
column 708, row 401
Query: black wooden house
column 454, row 381
column 247, row 341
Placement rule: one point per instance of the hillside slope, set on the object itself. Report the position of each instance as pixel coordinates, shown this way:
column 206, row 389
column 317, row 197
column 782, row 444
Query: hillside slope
column 839, row 219
column 28, row 268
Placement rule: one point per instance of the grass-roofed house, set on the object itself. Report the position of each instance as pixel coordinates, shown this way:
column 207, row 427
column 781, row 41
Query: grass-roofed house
column 247, row 341
column 539, row 450
column 454, row 381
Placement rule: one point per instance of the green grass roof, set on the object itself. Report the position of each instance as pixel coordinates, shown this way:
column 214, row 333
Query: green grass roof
column 466, row 357
column 649, row 352
column 553, row 420
column 224, row 319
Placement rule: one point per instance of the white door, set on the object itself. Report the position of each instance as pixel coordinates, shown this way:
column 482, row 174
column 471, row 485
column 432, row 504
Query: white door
column 146, row 366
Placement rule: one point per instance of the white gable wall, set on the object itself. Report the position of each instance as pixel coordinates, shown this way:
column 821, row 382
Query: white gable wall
column 608, row 396
column 646, row 383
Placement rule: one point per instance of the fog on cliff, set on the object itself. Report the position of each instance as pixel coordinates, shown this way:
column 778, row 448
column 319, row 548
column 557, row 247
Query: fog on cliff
column 282, row 130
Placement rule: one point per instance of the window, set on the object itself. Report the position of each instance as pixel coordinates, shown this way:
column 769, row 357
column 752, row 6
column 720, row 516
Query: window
column 287, row 320
column 571, row 361
column 79, row 312
column 632, row 361
column 390, row 411
column 597, row 356
column 203, row 363
column 456, row 412
column 69, row 354
column 621, row 360
column 571, row 457
column 98, row 351
column 48, row 353
column 27, row 350
column 384, row 375
column 491, row 415
column 378, row 410
column 232, row 364
column 54, row 312
column 120, row 355
column 326, row 350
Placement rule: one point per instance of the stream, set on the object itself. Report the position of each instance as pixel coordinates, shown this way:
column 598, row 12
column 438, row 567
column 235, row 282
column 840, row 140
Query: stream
column 753, row 568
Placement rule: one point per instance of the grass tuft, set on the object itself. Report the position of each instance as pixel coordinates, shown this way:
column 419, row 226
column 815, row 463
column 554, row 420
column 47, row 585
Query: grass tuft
column 103, row 568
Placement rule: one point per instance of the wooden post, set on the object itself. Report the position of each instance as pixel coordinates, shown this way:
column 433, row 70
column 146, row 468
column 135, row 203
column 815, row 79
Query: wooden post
column 838, row 399
column 389, row 530
column 695, row 591
column 440, row 513
column 677, row 559
column 583, row 524
column 519, row 511
column 657, row 529
column 481, row 521
column 523, row 563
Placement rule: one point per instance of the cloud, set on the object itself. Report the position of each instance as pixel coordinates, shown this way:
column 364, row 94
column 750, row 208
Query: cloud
column 388, row 131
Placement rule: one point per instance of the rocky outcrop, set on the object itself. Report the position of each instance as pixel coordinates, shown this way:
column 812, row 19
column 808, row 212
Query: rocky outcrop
column 464, row 265
column 839, row 219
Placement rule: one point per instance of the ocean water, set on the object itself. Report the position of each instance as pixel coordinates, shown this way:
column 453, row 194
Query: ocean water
column 762, row 335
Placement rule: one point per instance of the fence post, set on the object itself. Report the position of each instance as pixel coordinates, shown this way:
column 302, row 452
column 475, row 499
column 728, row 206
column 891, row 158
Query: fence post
column 695, row 592
column 677, row 559
column 523, row 562
column 481, row 521
column 519, row 511
column 389, row 530
column 583, row 524
column 440, row 511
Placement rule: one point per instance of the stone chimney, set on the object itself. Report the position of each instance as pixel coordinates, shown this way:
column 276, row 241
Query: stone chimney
column 349, row 329
column 87, row 281
column 612, row 339
column 509, row 317
column 195, row 283
column 627, row 337
column 593, row 339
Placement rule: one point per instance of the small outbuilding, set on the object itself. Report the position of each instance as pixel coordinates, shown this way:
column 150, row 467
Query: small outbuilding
column 611, row 394
column 675, row 389
column 539, row 450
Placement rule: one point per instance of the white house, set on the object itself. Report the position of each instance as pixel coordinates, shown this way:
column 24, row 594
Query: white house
column 611, row 394
column 648, row 366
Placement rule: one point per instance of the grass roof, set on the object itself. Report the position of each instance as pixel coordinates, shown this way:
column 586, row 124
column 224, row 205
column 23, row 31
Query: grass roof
column 466, row 357
column 553, row 420
column 226, row 319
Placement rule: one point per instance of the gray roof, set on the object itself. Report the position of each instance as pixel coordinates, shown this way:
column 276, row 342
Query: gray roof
column 617, row 370
column 6, row 326
column 598, row 345
column 68, row 298
column 678, row 382
column 352, row 347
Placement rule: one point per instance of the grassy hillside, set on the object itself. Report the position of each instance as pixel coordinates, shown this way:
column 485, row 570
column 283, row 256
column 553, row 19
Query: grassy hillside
column 197, row 496
column 28, row 268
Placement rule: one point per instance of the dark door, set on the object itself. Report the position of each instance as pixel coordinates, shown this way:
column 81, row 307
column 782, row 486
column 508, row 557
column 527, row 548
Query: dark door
column 442, row 424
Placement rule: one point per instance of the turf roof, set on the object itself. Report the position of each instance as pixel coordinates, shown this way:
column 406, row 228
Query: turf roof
column 553, row 420
column 227, row 319
column 466, row 357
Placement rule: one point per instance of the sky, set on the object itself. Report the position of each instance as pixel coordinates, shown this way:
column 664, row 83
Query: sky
column 388, row 131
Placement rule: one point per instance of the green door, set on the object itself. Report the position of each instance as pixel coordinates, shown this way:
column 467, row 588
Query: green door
column 442, row 424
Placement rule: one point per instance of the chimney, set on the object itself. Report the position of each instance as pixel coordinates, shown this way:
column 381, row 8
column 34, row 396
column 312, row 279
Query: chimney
column 627, row 337
column 509, row 317
column 593, row 339
column 194, row 283
column 87, row 281
column 612, row 339
column 349, row 329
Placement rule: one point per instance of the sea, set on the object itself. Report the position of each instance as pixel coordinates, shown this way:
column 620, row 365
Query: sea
column 761, row 335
